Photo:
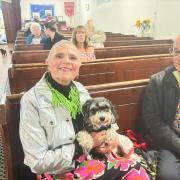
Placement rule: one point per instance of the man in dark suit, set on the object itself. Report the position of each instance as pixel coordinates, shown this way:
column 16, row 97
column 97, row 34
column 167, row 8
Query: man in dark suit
column 161, row 115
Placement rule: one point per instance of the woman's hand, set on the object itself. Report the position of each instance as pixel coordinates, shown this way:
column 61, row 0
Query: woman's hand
column 108, row 147
column 98, row 138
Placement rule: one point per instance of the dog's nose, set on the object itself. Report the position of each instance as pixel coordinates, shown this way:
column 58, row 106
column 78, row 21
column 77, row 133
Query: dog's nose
column 102, row 118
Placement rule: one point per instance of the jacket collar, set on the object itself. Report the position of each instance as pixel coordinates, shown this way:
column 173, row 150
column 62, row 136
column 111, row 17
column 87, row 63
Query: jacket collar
column 169, row 77
column 170, row 69
column 44, row 95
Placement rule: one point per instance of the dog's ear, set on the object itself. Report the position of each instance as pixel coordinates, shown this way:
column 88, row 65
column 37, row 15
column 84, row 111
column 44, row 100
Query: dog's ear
column 86, row 106
column 114, row 112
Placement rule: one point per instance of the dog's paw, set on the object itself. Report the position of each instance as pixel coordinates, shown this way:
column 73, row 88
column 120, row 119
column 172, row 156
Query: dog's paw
column 85, row 140
column 111, row 134
column 125, row 143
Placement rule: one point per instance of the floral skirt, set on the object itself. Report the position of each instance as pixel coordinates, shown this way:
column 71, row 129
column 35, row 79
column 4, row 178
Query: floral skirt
column 114, row 168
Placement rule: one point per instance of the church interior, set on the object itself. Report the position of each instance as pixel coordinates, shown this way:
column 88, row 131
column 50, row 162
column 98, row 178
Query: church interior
column 131, row 41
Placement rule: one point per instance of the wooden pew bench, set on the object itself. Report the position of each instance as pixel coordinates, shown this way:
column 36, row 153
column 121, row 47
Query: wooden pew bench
column 21, row 57
column 23, row 76
column 125, row 38
column 137, row 42
column 126, row 97
column 21, row 41
column 30, row 47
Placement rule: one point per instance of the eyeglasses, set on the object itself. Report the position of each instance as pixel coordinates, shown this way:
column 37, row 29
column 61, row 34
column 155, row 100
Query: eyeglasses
column 174, row 51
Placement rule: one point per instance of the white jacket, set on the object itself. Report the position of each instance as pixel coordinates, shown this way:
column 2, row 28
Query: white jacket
column 47, row 134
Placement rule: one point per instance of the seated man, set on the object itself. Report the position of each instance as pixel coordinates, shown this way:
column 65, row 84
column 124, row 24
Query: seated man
column 53, row 36
column 49, row 18
column 36, row 36
column 161, row 115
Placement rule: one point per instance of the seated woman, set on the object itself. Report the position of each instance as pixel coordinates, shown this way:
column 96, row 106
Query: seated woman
column 81, row 41
column 36, row 36
column 51, row 116
column 90, row 28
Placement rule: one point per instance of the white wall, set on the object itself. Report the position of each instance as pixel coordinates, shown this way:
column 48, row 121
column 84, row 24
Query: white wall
column 59, row 9
column 85, row 7
column 120, row 16
column 168, row 24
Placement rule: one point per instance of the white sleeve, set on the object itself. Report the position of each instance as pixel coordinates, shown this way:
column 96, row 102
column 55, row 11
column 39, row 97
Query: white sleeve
column 33, row 138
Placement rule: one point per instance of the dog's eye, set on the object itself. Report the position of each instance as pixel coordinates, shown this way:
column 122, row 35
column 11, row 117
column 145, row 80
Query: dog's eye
column 105, row 109
column 93, row 110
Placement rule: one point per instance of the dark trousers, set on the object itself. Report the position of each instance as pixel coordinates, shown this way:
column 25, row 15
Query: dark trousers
column 168, row 166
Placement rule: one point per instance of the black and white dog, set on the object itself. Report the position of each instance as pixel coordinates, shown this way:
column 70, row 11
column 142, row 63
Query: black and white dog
column 3, row 52
column 99, row 114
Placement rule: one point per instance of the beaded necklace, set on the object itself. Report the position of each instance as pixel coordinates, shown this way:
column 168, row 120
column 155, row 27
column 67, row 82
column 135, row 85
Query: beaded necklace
column 72, row 103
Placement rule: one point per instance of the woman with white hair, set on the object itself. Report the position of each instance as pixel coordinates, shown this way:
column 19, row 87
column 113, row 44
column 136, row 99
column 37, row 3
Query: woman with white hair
column 51, row 116
column 36, row 36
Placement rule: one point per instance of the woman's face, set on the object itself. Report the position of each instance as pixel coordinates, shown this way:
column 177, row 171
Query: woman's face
column 81, row 35
column 64, row 64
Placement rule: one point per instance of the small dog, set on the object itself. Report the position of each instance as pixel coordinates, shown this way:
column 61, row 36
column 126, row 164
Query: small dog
column 99, row 114
column 3, row 52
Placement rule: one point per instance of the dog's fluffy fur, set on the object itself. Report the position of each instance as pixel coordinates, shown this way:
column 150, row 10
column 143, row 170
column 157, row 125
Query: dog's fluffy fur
column 99, row 114
column 3, row 52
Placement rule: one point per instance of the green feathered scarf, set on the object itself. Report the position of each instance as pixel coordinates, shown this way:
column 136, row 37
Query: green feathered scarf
column 72, row 103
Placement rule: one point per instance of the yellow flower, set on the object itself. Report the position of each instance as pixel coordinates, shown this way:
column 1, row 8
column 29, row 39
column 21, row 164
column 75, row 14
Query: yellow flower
column 144, row 21
column 143, row 25
column 138, row 23
column 148, row 21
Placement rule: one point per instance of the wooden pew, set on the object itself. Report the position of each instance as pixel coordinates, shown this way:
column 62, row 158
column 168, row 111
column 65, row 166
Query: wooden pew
column 23, row 76
column 119, row 35
column 30, row 47
column 20, row 34
column 127, row 38
column 137, row 42
column 37, row 56
column 22, row 40
column 126, row 97
column 108, row 34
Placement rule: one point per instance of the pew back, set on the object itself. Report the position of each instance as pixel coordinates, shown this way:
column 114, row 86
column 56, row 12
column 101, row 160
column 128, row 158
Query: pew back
column 30, row 47
column 23, row 76
column 21, row 57
column 137, row 42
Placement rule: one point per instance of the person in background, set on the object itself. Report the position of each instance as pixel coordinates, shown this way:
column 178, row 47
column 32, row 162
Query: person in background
column 161, row 116
column 81, row 41
column 36, row 36
column 50, row 117
column 90, row 28
column 52, row 34
column 49, row 18
column 36, row 19
column 96, row 37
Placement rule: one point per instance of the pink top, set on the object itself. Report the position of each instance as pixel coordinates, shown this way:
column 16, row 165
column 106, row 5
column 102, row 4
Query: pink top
column 88, row 55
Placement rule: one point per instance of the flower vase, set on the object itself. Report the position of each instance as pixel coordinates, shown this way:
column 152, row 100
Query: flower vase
column 143, row 34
